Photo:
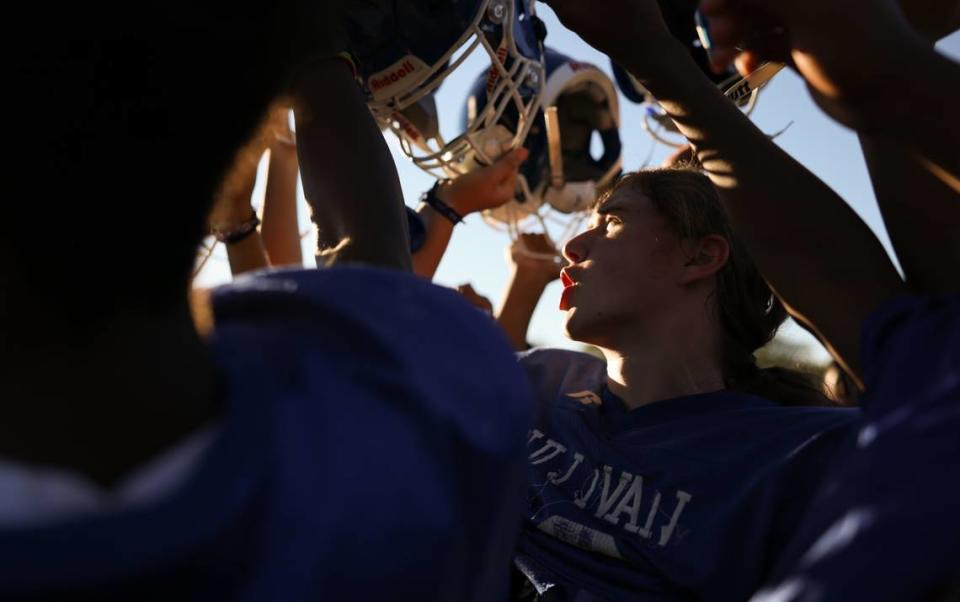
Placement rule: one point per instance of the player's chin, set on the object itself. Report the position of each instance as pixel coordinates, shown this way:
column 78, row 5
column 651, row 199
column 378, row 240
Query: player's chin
column 577, row 325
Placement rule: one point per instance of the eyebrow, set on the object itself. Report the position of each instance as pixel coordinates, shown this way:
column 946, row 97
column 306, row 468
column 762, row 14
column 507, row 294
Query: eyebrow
column 611, row 206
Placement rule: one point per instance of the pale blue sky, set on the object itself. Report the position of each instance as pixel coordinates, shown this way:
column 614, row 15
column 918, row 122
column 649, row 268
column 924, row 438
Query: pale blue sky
column 476, row 252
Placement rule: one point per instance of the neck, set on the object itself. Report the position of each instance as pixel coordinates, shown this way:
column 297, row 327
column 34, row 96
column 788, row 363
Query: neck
column 102, row 404
column 679, row 358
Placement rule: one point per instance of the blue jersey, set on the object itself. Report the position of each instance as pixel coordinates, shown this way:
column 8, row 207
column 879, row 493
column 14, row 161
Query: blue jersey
column 371, row 447
column 885, row 525
column 686, row 498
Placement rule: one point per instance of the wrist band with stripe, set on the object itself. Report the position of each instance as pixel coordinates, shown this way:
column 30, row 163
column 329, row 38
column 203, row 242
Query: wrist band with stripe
column 430, row 198
column 238, row 232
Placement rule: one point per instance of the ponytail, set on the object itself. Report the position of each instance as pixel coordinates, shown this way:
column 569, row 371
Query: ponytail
column 783, row 385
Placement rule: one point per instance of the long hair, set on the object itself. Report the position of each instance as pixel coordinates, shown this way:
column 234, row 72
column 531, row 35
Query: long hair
column 748, row 310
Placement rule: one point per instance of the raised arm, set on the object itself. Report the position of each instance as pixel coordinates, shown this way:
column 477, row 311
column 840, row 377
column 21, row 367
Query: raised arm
column 484, row 188
column 232, row 218
column 349, row 178
column 807, row 241
column 921, row 211
column 863, row 63
column 281, row 229
column 534, row 264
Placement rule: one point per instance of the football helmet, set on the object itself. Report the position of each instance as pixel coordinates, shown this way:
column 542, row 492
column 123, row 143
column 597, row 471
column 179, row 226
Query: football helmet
column 688, row 26
column 404, row 50
column 560, row 174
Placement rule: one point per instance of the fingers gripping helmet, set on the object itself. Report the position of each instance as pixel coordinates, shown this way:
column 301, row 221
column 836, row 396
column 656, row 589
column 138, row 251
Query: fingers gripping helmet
column 404, row 49
column 683, row 22
column 689, row 27
column 561, row 173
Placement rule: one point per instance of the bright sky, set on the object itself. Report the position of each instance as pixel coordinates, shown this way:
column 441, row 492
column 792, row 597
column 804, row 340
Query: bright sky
column 476, row 253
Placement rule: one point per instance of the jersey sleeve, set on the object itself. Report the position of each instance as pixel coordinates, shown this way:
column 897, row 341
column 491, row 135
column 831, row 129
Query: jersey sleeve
column 400, row 416
column 911, row 351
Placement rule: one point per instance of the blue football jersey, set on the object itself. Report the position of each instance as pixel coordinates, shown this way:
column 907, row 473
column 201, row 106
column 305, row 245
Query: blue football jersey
column 885, row 525
column 371, row 447
column 686, row 498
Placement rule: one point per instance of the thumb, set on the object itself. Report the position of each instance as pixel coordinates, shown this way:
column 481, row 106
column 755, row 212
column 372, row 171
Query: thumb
column 508, row 164
column 518, row 156
column 506, row 188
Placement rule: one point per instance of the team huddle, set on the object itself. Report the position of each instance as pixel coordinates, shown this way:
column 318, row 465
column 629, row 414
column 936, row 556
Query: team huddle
column 354, row 431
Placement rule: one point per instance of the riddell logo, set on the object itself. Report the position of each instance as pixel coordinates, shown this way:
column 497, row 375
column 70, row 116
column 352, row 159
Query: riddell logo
column 406, row 126
column 378, row 82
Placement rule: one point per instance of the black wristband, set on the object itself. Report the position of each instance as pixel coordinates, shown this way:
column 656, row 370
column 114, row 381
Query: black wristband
column 430, row 198
column 240, row 232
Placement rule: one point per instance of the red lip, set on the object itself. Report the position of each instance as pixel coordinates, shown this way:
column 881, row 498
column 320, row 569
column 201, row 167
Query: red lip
column 565, row 298
column 568, row 285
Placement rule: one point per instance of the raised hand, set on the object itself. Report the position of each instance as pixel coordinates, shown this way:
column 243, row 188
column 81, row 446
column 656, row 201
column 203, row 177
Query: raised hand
column 846, row 50
column 476, row 299
column 619, row 28
column 533, row 257
column 485, row 188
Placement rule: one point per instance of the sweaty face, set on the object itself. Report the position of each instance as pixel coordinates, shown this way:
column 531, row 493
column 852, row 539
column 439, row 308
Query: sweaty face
column 623, row 271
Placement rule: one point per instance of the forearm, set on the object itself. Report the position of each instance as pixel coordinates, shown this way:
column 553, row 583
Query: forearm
column 808, row 243
column 439, row 230
column 349, row 178
column 919, row 111
column 247, row 255
column 517, row 306
column 281, row 230
column 926, row 236
column 933, row 19
column 233, row 214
